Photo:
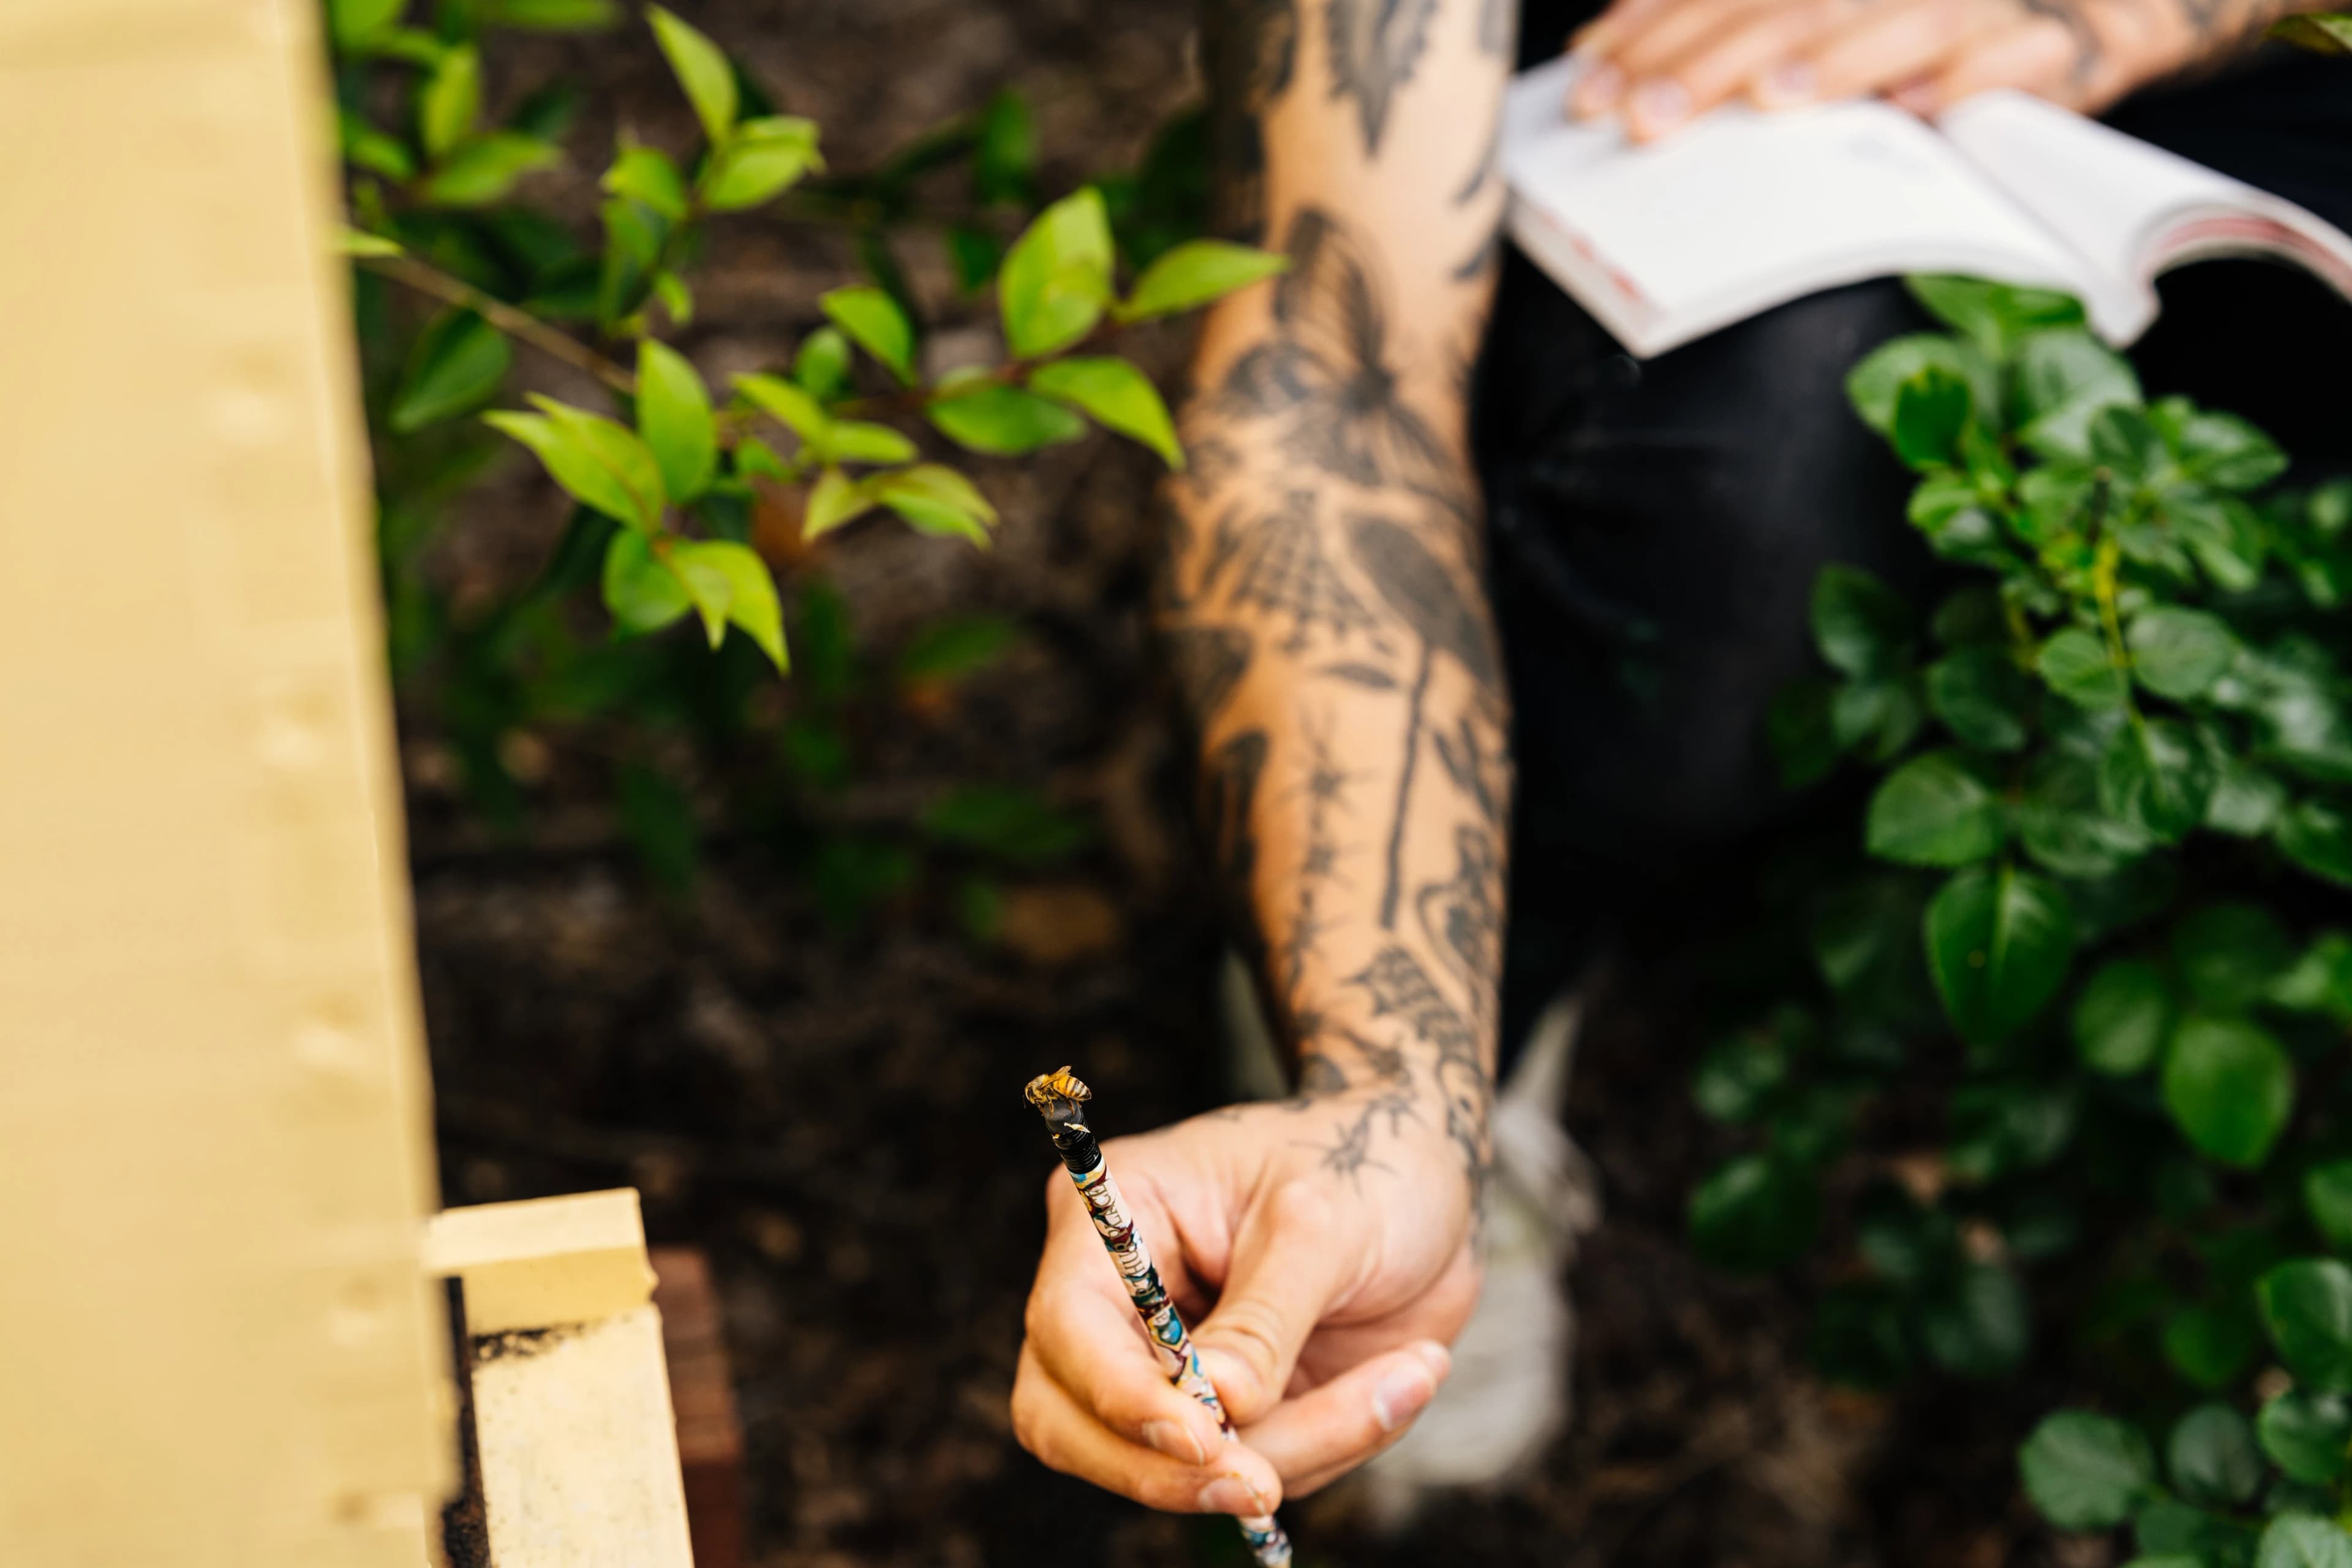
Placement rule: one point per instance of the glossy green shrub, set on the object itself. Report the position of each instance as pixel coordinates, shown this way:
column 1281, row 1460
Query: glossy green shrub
column 2080, row 996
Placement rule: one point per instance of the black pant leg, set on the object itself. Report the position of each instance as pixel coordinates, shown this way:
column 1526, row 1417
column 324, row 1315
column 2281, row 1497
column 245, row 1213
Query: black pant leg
column 1656, row 529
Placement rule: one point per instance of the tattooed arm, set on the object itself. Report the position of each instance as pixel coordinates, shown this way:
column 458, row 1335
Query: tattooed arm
column 1321, row 597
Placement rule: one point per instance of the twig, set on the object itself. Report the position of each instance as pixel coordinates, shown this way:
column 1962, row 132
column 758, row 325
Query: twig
column 520, row 325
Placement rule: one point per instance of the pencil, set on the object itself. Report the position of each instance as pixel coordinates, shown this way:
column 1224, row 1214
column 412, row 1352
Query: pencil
column 1061, row 1101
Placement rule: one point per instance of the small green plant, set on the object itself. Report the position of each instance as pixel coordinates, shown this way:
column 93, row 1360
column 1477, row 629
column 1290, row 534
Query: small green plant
column 2077, row 1017
column 671, row 475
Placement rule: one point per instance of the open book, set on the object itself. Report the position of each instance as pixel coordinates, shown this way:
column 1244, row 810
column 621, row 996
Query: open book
column 1743, row 210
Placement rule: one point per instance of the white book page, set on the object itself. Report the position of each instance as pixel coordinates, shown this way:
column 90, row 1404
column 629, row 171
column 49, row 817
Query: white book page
column 2132, row 208
column 1742, row 211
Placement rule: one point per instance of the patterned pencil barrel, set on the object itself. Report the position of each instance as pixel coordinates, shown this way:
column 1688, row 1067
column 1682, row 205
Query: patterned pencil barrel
column 1059, row 1098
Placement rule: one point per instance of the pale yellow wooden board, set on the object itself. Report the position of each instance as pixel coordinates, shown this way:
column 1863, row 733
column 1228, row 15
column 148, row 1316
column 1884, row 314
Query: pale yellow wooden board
column 544, row 1260
column 221, row 1348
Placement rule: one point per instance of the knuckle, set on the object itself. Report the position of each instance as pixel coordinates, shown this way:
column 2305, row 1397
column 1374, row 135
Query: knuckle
column 1300, row 1205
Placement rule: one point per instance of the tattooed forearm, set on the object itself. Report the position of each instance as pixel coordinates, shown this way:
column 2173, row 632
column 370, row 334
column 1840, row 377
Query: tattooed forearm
column 1322, row 586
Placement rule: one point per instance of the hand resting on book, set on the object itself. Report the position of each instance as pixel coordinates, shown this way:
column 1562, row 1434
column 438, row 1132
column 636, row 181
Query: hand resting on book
column 1661, row 63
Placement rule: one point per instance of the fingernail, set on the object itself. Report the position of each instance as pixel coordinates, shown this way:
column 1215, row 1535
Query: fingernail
column 1597, row 91
column 1175, row 1440
column 1659, row 105
column 1786, row 85
column 1439, row 1359
column 1399, row 1395
column 1230, row 1494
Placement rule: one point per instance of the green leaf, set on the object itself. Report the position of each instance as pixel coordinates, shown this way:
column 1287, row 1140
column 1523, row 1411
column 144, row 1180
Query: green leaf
column 2210, row 1345
column 2077, row 666
column 2125, row 443
column 2123, row 1017
column 1005, row 152
column 936, row 499
column 754, row 459
column 2219, row 449
column 821, row 364
column 646, row 174
column 788, row 404
column 2326, row 33
column 449, row 102
column 2304, row 1541
column 1005, row 420
column 1940, row 809
column 2063, row 826
column 1755, row 1214
column 751, row 592
column 833, row 500
column 1874, row 384
column 355, row 21
column 674, row 296
column 2306, row 1435
column 1056, row 280
column 766, row 158
column 673, row 414
column 871, row 316
column 1981, row 696
column 2165, row 1526
column 2230, row 1088
column 1930, row 410
column 702, row 70
column 355, row 242
column 597, row 461
column 2001, row 1126
column 707, row 583
column 484, row 169
column 2307, row 1306
column 1999, row 943
column 2085, row 1471
column 1120, row 397
column 2247, row 802
column 457, row 364
column 2179, row 653
column 2321, row 980
column 367, row 148
column 640, row 590
column 2212, row 1458
column 1995, row 316
column 2327, row 1194
column 1735, row 1077
column 2158, row 777
column 1861, row 625
column 856, row 441
column 955, row 646
column 1979, row 1326
column 2317, row 836
column 1195, row 273
column 2062, row 379
column 2231, row 955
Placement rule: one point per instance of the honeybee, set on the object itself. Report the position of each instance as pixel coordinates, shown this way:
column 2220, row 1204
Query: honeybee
column 1058, row 1085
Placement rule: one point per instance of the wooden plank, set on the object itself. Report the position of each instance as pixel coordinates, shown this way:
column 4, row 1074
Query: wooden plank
column 222, row 1349
column 572, row 1421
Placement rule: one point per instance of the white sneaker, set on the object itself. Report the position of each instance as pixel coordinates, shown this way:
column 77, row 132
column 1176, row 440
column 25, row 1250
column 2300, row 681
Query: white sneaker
column 1509, row 1395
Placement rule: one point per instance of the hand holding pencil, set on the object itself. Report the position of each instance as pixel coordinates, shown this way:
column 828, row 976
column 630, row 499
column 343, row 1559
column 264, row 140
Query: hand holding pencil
column 1331, row 1301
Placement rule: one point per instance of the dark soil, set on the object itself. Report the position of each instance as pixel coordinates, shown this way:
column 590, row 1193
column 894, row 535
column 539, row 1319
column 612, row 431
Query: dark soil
column 834, row 1113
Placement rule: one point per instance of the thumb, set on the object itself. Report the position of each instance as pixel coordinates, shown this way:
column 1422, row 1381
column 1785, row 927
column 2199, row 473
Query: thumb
column 1287, row 1261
